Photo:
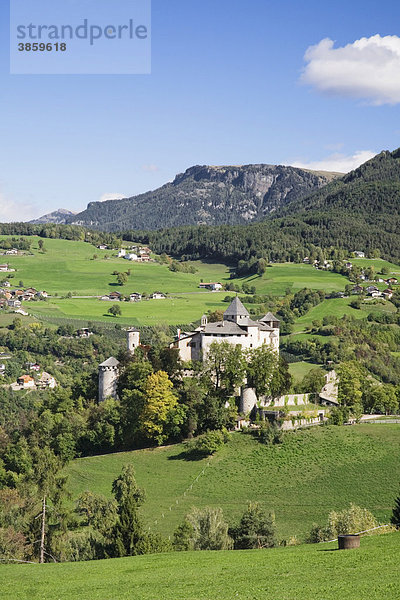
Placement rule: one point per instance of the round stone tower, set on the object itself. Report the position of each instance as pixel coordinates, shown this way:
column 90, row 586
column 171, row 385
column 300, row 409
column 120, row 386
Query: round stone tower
column 248, row 400
column 108, row 379
column 133, row 339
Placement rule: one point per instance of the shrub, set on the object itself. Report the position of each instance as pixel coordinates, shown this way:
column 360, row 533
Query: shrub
column 203, row 529
column 208, row 443
column 348, row 521
column 255, row 530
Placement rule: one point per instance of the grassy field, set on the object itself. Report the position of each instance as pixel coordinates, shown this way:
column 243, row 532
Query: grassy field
column 294, row 573
column 68, row 267
column 339, row 307
column 173, row 310
column 311, row 473
column 300, row 369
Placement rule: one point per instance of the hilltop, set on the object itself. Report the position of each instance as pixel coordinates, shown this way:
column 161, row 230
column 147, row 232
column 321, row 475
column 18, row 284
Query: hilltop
column 59, row 217
column 207, row 195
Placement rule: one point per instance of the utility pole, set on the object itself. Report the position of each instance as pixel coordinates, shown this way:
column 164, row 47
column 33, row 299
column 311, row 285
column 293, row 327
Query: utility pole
column 41, row 560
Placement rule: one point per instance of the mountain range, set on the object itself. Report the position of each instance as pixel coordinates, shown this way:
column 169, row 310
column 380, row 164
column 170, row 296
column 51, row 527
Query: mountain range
column 207, row 195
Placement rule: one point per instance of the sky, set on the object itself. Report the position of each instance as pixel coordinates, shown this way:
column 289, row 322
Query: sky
column 306, row 83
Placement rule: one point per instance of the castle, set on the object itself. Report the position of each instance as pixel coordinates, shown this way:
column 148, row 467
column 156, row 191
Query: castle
column 109, row 369
column 236, row 328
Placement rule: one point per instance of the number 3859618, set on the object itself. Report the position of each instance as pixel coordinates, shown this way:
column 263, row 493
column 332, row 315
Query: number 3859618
column 42, row 47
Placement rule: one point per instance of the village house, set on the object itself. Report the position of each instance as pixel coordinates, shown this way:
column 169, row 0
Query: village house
column 6, row 284
column 33, row 366
column 102, row 247
column 211, row 286
column 387, row 294
column 359, row 254
column 2, row 369
column 392, row 281
column 131, row 256
column 371, row 288
column 113, row 297
column 236, row 328
column 348, row 265
column 158, row 296
column 3, row 268
column 14, row 303
column 12, row 252
column 46, row 381
column 135, row 297
column 26, row 382
column 121, row 253
column 42, row 294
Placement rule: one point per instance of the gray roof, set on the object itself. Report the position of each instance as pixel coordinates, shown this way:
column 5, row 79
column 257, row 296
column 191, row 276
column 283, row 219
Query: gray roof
column 226, row 327
column 264, row 326
column 110, row 362
column 269, row 317
column 236, row 308
column 132, row 328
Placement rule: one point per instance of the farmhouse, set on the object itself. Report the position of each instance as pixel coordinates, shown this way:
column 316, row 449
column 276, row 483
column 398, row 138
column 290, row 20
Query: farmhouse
column 359, row 254
column 131, row 256
column 158, row 296
column 26, row 382
column 135, row 297
column 392, row 281
column 211, row 286
column 46, row 381
column 235, row 328
column 3, row 268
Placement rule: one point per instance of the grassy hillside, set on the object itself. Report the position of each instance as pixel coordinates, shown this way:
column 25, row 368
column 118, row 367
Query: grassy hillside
column 68, row 267
column 311, row 473
column 293, row 573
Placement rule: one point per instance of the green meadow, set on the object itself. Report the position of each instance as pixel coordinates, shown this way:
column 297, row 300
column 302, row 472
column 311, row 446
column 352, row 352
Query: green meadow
column 68, row 267
column 179, row 309
column 308, row 572
column 313, row 472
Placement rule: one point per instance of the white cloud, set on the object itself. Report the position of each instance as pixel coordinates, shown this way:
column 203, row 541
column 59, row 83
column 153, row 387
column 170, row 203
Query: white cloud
column 150, row 168
column 368, row 69
column 112, row 196
column 15, row 211
column 337, row 162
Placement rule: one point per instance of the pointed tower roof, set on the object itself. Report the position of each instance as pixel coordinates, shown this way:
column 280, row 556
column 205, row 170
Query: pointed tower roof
column 236, row 309
column 110, row 362
column 269, row 317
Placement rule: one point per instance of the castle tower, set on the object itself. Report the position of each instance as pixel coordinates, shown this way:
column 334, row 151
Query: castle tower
column 248, row 400
column 108, row 379
column 132, row 339
column 236, row 312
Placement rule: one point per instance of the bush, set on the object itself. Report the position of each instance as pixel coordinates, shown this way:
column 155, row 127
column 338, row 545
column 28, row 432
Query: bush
column 255, row 530
column 203, row 529
column 208, row 443
column 348, row 521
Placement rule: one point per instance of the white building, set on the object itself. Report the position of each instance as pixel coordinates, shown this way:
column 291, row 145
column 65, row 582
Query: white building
column 236, row 328
column 131, row 256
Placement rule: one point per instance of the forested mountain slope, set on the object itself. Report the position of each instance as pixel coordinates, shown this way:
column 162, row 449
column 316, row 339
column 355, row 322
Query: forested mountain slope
column 359, row 211
column 206, row 195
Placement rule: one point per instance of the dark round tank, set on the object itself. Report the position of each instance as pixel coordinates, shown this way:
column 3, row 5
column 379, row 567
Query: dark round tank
column 348, row 542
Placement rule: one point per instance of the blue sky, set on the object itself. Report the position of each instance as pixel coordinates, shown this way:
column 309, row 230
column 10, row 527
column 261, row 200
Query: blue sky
column 225, row 88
